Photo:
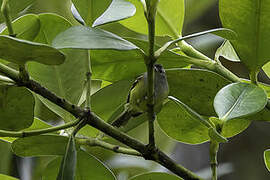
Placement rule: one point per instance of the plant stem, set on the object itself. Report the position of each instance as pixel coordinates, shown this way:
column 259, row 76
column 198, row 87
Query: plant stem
column 105, row 145
column 88, row 81
column 5, row 10
column 37, row 132
column 254, row 77
column 214, row 146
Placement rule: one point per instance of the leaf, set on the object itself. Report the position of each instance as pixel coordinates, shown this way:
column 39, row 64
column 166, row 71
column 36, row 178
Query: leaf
column 25, row 27
column 238, row 100
column 68, row 164
column 17, row 7
column 81, row 37
column 250, row 20
column 169, row 18
column 5, row 177
column 88, row 167
column 266, row 69
column 155, row 176
column 118, row 10
column 234, row 126
column 20, row 51
column 196, row 88
column 267, row 159
column 118, row 65
column 16, row 108
column 40, row 145
column 90, row 10
column 65, row 80
column 227, row 51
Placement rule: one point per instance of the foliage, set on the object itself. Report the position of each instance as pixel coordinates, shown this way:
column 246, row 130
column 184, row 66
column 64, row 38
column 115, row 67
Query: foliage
column 77, row 73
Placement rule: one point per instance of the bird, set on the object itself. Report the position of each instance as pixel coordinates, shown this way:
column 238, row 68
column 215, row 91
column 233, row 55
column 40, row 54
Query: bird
column 136, row 103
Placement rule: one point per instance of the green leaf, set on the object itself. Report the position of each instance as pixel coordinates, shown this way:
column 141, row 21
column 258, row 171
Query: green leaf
column 81, row 37
column 266, row 69
column 5, row 177
column 68, row 164
column 238, row 100
column 88, row 167
column 117, row 65
column 233, row 127
column 20, row 51
column 16, row 108
column 196, row 88
column 90, row 10
column 266, row 156
column 40, row 145
column 155, row 176
column 64, row 80
column 118, row 10
column 25, row 27
column 169, row 18
column 227, row 51
column 16, row 7
column 250, row 20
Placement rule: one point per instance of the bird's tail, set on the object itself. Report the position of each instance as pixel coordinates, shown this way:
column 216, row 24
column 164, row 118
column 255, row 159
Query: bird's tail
column 122, row 119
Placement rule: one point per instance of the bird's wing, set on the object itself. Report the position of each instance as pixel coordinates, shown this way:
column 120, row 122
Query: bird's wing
column 133, row 85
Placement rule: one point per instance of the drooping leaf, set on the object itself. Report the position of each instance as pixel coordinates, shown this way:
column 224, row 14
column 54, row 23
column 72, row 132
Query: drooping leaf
column 17, row 7
column 25, row 27
column 68, row 164
column 88, row 167
column 81, row 37
column 227, row 51
column 169, row 18
column 6, row 177
column 118, row 10
column 20, row 51
column 67, row 79
column 250, row 20
column 16, row 108
column 155, row 176
column 40, row 145
column 238, row 100
column 267, row 159
column 90, row 10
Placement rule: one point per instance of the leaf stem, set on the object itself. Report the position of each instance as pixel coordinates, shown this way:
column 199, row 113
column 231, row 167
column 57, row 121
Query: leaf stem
column 5, row 10
column 254, row 77
column 214, row 146
column 37, row 132
column 88, row 81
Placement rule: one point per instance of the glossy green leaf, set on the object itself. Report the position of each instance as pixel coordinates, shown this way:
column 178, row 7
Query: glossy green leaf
column 90, row 10
column 16, row 108
column 66, row 80
column 6, row 177
column 238, row 100
column 155, row 176
column 117, row 65
column 68, row 164
column 40, row 145
column 81, row 37
column 227, row 51
column 196, row 88
column 16, row 7
column 25, row 27
column 28, row 51
column 118, row 10
column 88, row 167
column 266, row 69
column 169, row 18
column 250, row 20
column 266, row 156
column 234, row 126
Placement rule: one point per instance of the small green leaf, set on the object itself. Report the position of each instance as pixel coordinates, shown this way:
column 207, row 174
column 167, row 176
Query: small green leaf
column 213, row 134
column 16, row 108
column 118, row 10
column 81, row 37
column 88, row 167
column 20, row 51
column 68, row 164
column 267, row 159
column 238, row 100
column 227, row 51
column 40, row 145
column 155, row 176
column 5, row 177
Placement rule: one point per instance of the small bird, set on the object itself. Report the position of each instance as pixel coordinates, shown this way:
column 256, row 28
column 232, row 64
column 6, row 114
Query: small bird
column 137, row 98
